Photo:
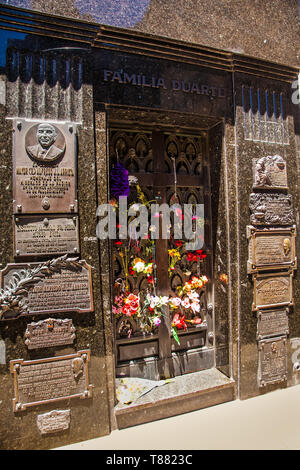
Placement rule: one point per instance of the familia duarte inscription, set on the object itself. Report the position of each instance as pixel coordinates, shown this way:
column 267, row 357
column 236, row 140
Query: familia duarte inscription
column 44, row 167
column 174, row 84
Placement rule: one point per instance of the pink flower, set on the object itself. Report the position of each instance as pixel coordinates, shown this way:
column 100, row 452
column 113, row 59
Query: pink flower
column 156, row 321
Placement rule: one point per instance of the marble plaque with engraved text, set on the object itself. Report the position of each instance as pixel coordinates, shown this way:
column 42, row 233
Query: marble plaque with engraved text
column 54, row 421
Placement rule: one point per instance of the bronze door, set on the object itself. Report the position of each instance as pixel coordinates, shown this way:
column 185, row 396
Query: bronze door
column 164, row 164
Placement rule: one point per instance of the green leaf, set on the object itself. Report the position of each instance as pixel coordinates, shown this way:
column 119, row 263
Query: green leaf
column 175, row 336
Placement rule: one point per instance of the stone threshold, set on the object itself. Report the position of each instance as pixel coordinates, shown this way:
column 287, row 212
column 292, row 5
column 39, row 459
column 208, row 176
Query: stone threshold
column 189, row 392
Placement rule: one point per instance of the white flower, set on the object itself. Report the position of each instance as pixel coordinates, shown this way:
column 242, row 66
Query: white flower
column 185, row 303
column 195, row 307
column 194, row 296
column 139, row 266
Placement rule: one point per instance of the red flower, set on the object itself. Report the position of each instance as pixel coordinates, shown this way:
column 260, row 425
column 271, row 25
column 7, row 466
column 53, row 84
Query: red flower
column 131, row 271
column 179, row 321
column 118, row 243
column 178, row 243
column 190, row 256
column 150, row 279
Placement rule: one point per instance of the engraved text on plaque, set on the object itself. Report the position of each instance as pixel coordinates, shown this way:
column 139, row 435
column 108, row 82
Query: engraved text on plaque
column 271, row 209
column 272, row 290
column 51, row 235
column 271, row 249
column 60, row 285
column 50, row 380
column 44, row 167
column 50, row 332
column 272, row 322
column 272, row 360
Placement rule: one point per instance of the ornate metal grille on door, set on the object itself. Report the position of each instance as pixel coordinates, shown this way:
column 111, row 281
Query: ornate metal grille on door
column 165, row 168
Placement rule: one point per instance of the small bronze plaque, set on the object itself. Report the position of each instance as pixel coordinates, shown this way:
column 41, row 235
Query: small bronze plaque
column 271, row 209
column 44, row 167
column 58, row 285
column 270, row 172
column 48, row 333
column 50, row 380
column 271, row 248
column 272, row 290
column 54, row 421
column 272, row 323
column 272, row 360
column 52, row 235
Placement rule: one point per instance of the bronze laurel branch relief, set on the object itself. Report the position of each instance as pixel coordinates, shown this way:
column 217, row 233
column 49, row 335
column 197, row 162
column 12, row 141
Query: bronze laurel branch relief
column 13, row 295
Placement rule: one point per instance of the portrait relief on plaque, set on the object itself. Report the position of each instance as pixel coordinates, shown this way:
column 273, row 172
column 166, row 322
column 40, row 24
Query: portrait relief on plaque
column 270, row 172
column 44, row 167
column 44, row 142
column 272, row 360
column 271, row 248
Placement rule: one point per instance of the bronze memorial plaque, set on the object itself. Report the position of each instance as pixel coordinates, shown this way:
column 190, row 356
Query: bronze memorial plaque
column 58, row 285
column 271, row 209
column 49, row 380
column 40, row 235
column 50, row 332
column 54, row 421
column 271, row 248
column 272, row 322
column 272, row 360
column 269, row 172
column 272, row 290
column 44, row 167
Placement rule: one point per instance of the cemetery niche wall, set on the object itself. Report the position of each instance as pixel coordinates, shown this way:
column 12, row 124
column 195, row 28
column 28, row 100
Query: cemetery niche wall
column 181, row 123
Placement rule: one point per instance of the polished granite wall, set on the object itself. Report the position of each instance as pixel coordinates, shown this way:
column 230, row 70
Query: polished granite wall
column 89, row 417
column 231, row 173
column 247, row 149
column 268, row 29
